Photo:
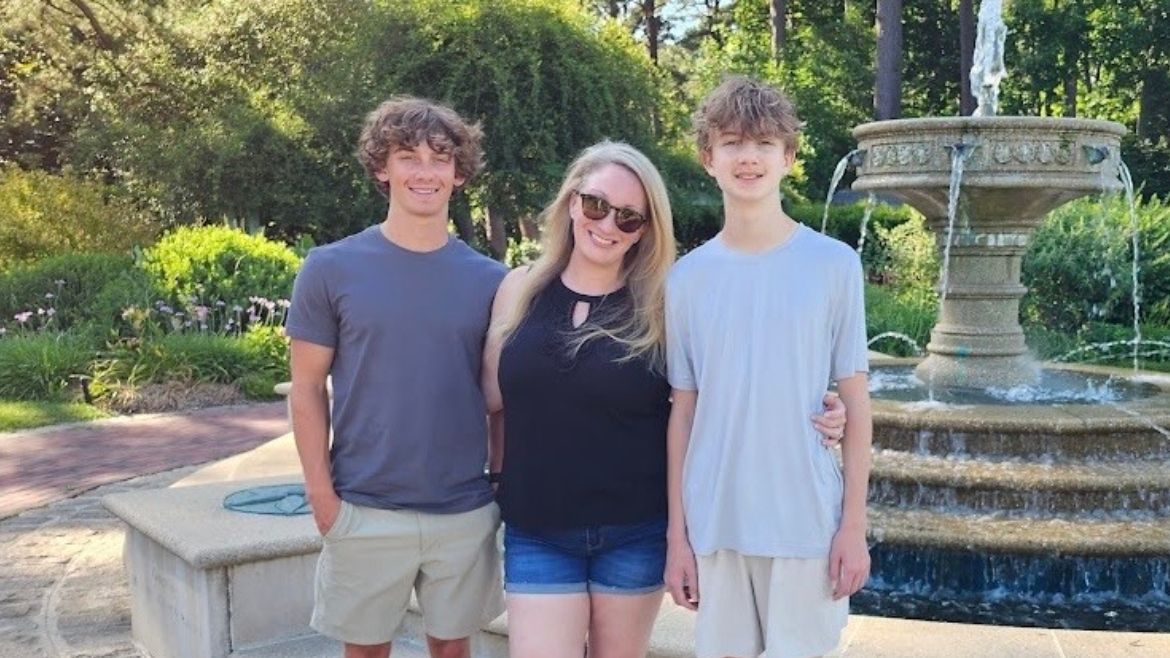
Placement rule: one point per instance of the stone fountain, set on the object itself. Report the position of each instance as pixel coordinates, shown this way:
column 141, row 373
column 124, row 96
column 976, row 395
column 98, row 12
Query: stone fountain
column 1054, row 514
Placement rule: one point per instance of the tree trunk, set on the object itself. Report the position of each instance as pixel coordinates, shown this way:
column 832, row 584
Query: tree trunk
column 650, row 14
column 967, row 102
column 464, row 226
column 1070, row 94
column 887, row 98
column 497, row 233
column 1154, row 104
column 779, row 12
column 529, row 229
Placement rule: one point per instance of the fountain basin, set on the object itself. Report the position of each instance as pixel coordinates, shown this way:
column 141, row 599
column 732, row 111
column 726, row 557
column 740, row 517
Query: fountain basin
column 1053, row 515
column 1008, row 173
column 1051, row 160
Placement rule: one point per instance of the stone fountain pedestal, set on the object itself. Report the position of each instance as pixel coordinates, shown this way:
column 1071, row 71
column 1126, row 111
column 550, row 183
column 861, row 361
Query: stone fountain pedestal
column 1015, row 171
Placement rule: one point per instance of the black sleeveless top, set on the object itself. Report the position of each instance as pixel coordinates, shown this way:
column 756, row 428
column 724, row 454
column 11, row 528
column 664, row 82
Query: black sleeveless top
column 585, row 440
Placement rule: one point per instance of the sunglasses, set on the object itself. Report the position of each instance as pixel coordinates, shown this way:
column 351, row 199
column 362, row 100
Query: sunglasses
column 597, row 209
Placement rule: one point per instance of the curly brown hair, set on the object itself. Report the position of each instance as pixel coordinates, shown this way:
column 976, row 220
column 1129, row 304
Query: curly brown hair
column 748, row 107
column 406, row 122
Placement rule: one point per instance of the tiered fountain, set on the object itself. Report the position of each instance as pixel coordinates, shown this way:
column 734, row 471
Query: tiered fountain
column 1047, row 514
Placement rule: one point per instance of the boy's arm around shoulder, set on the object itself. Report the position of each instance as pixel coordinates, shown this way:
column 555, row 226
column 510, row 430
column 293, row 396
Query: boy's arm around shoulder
column 506, row 297
column 849, row 557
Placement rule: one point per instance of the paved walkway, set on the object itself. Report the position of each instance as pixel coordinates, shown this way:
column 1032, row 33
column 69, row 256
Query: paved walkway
column 44, row 465
column 63, row 593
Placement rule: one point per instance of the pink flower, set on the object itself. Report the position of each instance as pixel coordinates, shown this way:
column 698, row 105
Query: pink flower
column 23, row 317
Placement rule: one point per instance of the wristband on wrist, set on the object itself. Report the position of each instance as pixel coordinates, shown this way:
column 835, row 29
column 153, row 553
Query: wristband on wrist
column 493, row 477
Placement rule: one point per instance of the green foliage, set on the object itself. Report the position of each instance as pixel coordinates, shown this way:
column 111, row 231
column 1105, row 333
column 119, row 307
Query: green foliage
column 249, row 110
column 909, row 262
column 522, row 252
column 211, row 264
column 844, row 222
column 42, row 214
column 1149, row 162
column 29, row 414
column 695, row 199
column 894, row 326
column 267, row 353
column 65, row 287
column 42, row 366
column 131, row 289
column 1104, row 344
column 905, row 302
column 826, row 70
column 543, row 78
column 1079, row 268
column 188, row 357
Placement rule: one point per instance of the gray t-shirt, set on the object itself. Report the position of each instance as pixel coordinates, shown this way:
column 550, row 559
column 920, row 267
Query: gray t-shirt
column 409, row 424
column 760, row 336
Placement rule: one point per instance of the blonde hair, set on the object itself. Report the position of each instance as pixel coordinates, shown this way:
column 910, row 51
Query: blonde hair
column 747, row 107
column 642, row 331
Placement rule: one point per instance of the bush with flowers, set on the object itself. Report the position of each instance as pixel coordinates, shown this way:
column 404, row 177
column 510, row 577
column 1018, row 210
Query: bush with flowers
column 110, row 328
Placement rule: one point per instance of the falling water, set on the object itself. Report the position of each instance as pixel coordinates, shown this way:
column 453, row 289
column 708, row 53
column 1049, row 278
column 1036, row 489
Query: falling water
column 870, row 204
column 1127, row 181
column 959, row 155
column 907, row 340
column 838, row 174
column 988, row 70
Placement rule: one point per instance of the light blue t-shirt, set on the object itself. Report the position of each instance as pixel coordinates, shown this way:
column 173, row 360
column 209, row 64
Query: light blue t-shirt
column 760, row 337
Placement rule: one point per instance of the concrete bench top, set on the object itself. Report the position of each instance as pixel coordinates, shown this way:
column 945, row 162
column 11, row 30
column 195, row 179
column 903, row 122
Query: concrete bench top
column 192, row 523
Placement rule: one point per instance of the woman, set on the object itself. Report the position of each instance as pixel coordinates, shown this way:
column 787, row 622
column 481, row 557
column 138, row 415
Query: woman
column 576, row 355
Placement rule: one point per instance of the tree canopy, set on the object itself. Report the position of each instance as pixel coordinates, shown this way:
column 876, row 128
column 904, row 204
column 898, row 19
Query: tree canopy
column 248, row 110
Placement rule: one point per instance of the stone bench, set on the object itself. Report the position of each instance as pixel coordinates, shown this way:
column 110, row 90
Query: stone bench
column 206, row 581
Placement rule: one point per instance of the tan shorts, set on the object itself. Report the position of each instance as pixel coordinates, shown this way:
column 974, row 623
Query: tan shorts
column 749, row 604
column 373, row 558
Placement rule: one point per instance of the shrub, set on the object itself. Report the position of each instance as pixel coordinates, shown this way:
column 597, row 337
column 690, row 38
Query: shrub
column 211, row 264
column 42, row 366
column 522, row 252
column 257, row 357
column 1079, row 269
column 908, row 263
column 895, row 327
column 905, row 303
column 42, row 215
column 68, row 285
column 845, row 222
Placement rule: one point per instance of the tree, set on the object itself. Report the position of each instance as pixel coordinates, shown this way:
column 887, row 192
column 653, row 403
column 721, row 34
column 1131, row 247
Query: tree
column 248, row 110
column 887, row 100
column 779, row 14
column 967, row 103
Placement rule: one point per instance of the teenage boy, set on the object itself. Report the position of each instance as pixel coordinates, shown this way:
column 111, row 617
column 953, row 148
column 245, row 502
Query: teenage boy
column 764, row 530
column 396, row 316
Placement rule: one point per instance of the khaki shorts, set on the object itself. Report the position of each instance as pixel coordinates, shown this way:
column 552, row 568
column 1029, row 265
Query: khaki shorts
column 749, row 604
column 373, row 558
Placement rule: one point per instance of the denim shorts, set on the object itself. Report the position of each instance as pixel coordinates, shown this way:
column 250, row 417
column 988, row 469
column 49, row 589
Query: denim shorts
column 609, row 559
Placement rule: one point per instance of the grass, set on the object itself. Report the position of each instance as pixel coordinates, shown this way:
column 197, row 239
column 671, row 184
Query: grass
column 21, row 415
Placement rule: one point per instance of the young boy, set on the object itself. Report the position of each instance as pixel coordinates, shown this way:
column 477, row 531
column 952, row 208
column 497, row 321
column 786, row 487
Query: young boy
column 397, row 316
column 764, row 530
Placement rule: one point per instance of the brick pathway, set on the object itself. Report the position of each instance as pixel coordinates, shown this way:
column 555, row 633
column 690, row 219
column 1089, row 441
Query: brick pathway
column 45, row 465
